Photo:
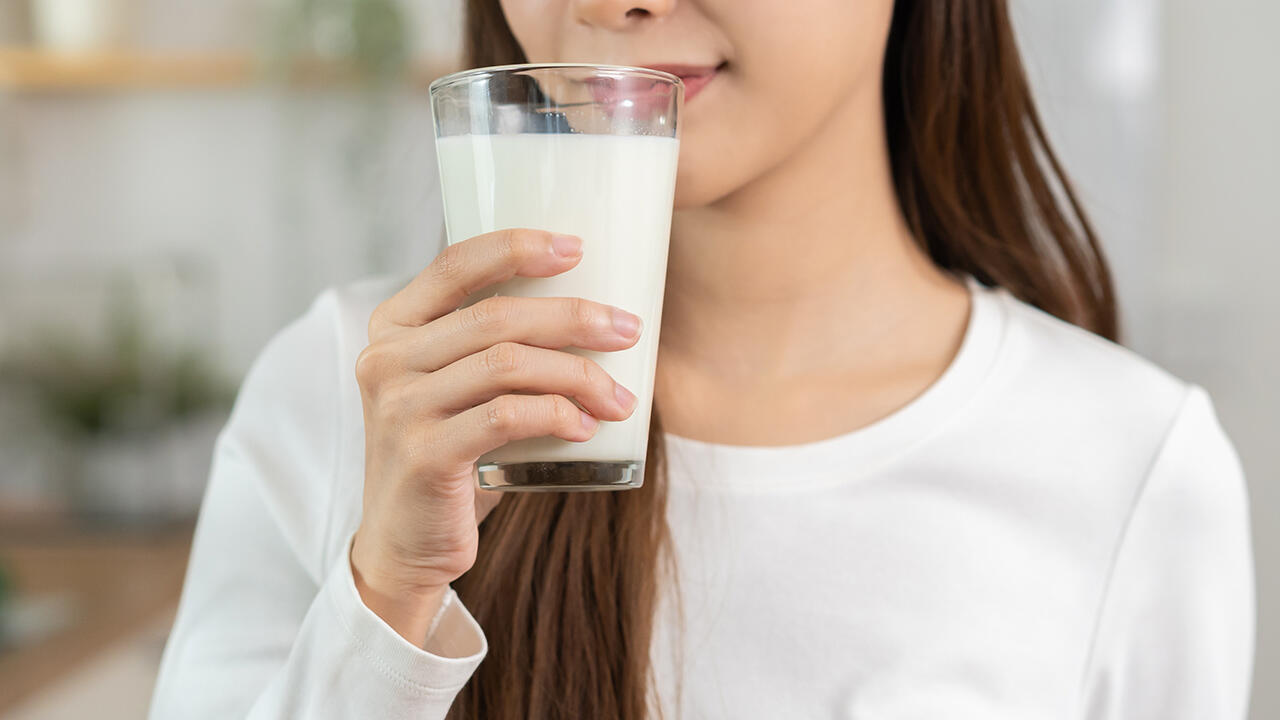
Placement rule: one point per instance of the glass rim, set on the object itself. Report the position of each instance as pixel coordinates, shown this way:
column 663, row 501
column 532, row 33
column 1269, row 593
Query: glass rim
column 455, row 78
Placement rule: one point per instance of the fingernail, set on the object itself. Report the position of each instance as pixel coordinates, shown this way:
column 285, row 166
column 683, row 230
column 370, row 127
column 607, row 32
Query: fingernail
column 625, row 323
column 624, row 396
column 566, row 245
column 588, row 422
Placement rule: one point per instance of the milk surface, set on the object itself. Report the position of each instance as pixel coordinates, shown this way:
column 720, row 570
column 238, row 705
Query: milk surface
column 616, row 193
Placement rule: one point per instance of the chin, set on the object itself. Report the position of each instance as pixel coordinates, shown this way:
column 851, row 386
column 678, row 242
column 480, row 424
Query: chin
column 698, row 188
column 712, row 166
column 687, row 198
column 692, row 196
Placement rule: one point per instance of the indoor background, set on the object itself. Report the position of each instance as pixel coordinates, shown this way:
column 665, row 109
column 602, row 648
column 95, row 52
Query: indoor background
column 179, row 178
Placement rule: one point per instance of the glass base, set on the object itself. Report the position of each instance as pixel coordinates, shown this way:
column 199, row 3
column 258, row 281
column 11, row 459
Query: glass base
column 568, row 476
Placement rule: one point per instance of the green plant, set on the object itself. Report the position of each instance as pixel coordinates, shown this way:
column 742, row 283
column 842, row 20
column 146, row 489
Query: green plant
column 128, row 383
column 369, row 36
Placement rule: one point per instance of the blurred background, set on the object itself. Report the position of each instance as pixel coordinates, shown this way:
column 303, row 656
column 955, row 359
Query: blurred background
column 179, row 178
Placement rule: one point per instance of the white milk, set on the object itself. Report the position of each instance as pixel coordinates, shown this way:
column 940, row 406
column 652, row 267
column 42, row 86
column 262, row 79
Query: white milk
column 616, row 193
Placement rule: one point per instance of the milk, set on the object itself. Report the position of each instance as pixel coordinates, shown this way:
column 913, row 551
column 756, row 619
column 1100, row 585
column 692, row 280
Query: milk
column 616, row 193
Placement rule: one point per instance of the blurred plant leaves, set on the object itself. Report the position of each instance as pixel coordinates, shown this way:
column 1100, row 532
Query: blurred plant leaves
column 129, row 383
column 368, row 36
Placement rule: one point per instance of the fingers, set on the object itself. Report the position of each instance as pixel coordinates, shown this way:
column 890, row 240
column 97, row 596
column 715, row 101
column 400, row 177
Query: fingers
column 509, row 366
column 540, row 322
column 470, row 434
column 465, row 267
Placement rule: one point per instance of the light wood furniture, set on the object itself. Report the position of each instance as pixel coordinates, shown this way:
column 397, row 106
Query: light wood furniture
column 117, row 582
column 33, row 70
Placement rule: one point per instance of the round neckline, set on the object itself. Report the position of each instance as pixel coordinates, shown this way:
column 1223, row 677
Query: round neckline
column 861, row 450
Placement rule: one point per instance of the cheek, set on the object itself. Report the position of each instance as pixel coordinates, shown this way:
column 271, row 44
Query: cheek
column 534, row 25
column 786, row 77
column 723, row 143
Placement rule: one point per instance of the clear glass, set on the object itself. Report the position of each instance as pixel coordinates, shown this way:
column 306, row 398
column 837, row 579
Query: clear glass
column 588, row 150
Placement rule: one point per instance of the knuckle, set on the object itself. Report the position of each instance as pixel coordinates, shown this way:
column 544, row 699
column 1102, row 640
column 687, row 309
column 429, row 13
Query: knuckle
column 447, row 266
column 509, row 243
column 502, row 358
column 586, row 370
column 370, row 366
column 492, row 313
column 582, row 312
column 564, row 411
column 517, row 243
column 501, row 414
column 377, row 320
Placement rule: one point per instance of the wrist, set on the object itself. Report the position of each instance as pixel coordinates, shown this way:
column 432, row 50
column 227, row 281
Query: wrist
column 409, row 609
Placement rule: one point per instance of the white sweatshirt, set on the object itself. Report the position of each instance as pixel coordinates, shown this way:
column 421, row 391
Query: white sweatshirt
column 1056, row 528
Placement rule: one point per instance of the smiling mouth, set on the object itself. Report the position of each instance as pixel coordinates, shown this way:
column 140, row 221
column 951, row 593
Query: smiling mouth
column 694, row 84
column 642, row 96
column 694, row 77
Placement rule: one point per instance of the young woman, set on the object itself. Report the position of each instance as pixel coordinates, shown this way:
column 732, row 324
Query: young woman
column 901, row 470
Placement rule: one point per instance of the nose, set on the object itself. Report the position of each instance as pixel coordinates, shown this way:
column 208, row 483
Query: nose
column 622, row 14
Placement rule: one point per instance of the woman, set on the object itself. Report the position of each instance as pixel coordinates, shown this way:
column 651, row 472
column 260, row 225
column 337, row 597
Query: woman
column 901, row 470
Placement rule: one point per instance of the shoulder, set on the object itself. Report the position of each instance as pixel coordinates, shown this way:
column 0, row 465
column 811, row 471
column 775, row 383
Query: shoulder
column 1081, row 362
column 1102, row 413
column 1082, row 378
column 1120, row 482
column 1196, row 477
column 1118, row 443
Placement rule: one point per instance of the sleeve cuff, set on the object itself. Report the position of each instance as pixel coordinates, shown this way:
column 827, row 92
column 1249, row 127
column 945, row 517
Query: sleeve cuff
column 455, row 644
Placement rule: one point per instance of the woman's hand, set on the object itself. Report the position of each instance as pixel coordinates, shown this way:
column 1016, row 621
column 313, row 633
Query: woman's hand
column 437, row 389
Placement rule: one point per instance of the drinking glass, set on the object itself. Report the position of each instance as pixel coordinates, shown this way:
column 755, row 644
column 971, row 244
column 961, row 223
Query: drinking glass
column 584, row 149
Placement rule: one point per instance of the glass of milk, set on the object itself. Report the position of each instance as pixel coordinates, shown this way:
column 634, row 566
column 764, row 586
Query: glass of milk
column 588, row 150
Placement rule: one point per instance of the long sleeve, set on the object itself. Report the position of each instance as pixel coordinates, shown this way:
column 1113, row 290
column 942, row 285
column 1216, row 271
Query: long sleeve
column 1174, row 639
column 270, row 624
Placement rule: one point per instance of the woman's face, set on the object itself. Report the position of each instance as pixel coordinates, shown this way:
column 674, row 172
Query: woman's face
column 784, row 69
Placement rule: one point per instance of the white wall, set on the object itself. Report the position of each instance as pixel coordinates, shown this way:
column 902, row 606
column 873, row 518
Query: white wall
column 1168, row 116
column 235, row 206
column 1219, row 254
column 1094, row 68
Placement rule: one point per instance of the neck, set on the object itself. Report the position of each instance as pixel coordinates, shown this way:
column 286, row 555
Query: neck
column 810, row 268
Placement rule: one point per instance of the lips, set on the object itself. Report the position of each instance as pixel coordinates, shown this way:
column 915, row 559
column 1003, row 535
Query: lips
column 694, row 84
column 695, row 77
column 638, row 89
column 647, row 94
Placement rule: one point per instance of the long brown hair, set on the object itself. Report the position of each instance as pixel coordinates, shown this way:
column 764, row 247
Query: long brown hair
column 565, row 585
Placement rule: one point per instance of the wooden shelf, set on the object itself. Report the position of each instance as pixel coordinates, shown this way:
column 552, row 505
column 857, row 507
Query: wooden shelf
column 31, row 70
column 34, row 70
